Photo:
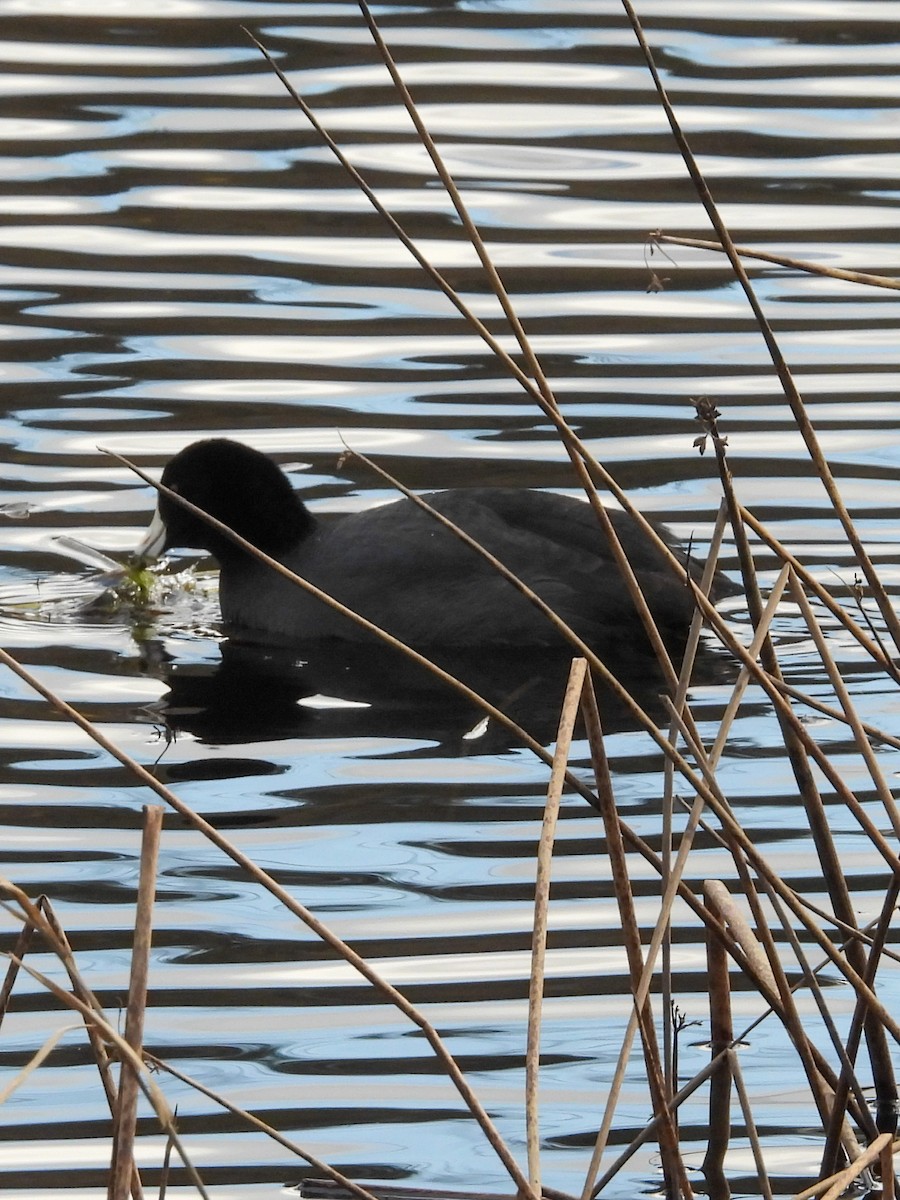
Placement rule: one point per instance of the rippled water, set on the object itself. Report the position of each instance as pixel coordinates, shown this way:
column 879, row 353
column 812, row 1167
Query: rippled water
column 178, row 256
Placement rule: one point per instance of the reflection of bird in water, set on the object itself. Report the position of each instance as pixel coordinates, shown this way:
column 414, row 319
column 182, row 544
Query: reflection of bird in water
column 340, row 689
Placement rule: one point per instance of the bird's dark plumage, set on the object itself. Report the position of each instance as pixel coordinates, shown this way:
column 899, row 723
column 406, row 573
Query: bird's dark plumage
column 397, row 566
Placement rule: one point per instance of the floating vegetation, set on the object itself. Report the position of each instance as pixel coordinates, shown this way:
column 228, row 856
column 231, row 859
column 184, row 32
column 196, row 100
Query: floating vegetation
column 140, row 591
column 138, row 586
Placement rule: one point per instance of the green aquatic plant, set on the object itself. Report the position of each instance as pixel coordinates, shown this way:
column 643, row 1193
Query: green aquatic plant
column 138, row 584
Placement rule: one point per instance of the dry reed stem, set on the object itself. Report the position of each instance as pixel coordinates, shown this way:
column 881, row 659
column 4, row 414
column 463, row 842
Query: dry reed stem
column 657, row 237
column 782, row 369
column 821, row 1085
column 40, row 1055
column 673, row 886
column 19, row 950
column 722, row 903
column 125, row 1123
column 387, row 990
column 676, row 1177
column 811, row 980
column 80, row 988
column 692, row 645
column 166, row 1164
column 568, row 717
column 835, row 714
column 888, row 1183
column 721, row 1036
column 166, row 1167
column 257, row 1123
column 38, row 917
column 842, row 1181
column 762, row 1175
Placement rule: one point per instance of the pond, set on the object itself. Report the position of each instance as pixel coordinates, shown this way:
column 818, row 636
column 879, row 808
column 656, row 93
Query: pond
column 180, row 257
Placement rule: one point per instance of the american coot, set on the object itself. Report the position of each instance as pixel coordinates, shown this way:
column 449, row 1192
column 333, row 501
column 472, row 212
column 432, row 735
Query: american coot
column 398, row 567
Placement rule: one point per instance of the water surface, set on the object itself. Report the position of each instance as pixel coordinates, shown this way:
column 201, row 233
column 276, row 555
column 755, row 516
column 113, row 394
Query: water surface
column 180, row 257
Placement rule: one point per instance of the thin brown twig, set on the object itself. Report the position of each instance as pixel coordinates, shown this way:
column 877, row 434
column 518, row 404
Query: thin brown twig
column 762, row 1175
column 657, row 237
